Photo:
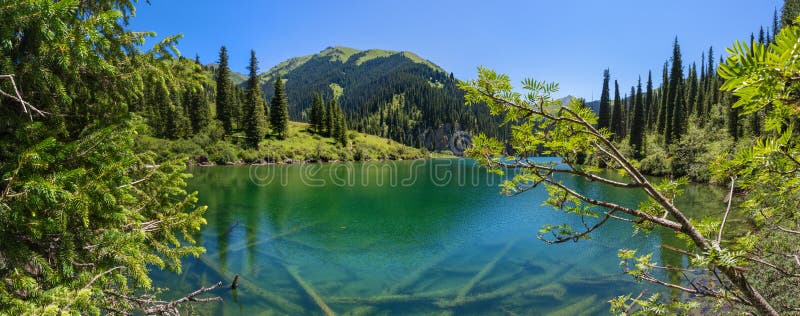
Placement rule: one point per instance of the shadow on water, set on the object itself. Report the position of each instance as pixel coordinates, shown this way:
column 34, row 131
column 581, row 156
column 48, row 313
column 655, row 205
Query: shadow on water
column 414, row 237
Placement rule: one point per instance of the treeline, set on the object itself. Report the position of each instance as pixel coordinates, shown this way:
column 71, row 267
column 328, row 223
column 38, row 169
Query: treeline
column 676, row 128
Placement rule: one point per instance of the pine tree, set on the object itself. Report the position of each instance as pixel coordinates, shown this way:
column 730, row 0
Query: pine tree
column 617, row 126
column 662, row 109
column 341, row 127
column 604, row 114
column 761, row 38
column 317, row 114
column 330, row 119
column 776, row 27
column 650, row 108
column 637, row 123
column 691, row 91
column 675, row 102
column 224, row 90
column 253, row 114
column 279, row 111
column 199, row 112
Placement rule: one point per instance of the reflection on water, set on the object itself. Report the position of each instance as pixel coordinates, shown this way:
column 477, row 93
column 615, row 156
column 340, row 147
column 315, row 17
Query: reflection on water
column 416, row 237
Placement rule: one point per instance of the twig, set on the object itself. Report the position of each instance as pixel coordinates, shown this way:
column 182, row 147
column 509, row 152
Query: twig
column 18, row 97
column 727, row 210
column 171, row 308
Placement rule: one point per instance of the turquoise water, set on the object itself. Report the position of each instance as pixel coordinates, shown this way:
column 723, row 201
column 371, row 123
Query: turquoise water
column 412, row 237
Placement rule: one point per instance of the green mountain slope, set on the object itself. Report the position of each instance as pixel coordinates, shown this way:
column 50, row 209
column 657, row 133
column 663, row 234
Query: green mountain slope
column 397, row 95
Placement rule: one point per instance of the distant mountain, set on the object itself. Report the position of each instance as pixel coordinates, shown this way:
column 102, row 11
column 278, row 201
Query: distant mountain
column 594, row 105
column 237, row 77
column 398, row 95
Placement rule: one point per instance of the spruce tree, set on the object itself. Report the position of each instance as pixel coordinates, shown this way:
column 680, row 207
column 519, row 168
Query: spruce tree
column 650, row 109
column 317, row 113
column 604, row 114
column 691, row 91
column 637, row 123
column 199, row 112
column 675, row 109
column 224, row 90
column 341, row 127
column 253, row 114
column 761, row 38
column 330, row 118
column 279, row 111
column 776, row 27
column 662, row 108
column 617, row 126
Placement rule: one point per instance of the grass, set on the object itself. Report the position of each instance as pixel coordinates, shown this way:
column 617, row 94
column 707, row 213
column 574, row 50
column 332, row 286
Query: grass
column 301, row 145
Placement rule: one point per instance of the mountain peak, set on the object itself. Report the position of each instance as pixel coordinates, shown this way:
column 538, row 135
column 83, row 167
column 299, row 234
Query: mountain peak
column 343, row 55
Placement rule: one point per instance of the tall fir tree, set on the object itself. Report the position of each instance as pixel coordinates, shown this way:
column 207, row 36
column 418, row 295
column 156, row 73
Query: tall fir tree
column 661, row 121
column 604, row 115
column 317, row 113
column 253, row 114
column 617, row 125
column 691, row 91
column 776, row 26
column 341, row 127
column 224, row 91
column 675, row 109
column 199, row 112
column 650, row 109
column 637, row 123
column 279, row 111
column 330, row 118
column 761, row 36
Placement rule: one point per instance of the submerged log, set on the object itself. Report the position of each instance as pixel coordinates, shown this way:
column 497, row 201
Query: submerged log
column 392, row 298
column 245, row 245
column 583, row 306
column 485, row 271
column 417, row 274
column 310, row 291
column 252, row 288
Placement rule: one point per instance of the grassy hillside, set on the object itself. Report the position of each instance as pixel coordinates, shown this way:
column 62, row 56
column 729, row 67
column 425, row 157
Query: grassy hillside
column 342, row 55
column 300, row 146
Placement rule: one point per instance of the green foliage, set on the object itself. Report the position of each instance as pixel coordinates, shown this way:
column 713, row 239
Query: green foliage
column 637, row 123
column 317, row 114
column 279, row 111
column 605, row 108
column 90, row 216
column 225, row 112
column 253, row 115
column 544, row 126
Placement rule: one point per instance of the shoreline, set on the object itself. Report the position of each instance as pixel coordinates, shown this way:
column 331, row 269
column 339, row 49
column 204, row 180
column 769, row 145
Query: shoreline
column 300, row 162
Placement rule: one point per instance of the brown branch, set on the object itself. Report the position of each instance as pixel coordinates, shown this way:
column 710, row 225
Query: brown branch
column 589, row 176
column 775, row 267
column 657, row 220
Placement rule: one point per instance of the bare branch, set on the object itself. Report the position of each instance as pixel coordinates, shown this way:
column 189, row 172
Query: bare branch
column 727, row 211
column 26, row 107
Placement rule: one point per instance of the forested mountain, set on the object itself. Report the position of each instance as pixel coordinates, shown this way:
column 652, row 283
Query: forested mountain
column 397, row 95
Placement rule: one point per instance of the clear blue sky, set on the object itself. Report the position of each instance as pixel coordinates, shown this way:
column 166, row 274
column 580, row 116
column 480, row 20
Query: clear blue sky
column 567, row 41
